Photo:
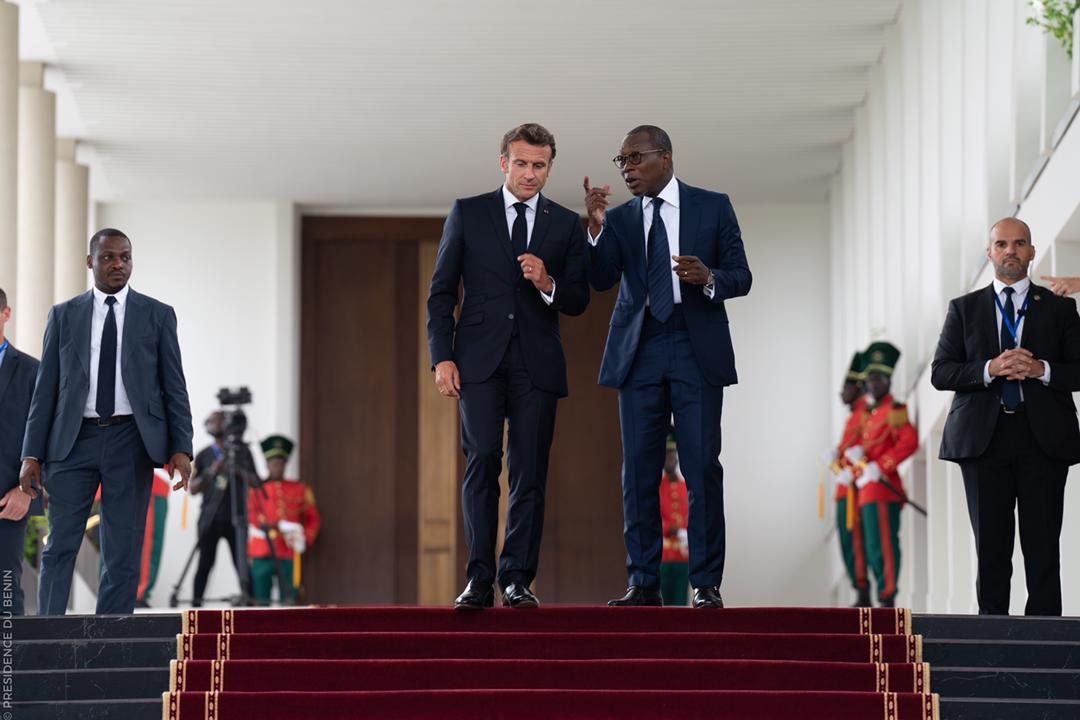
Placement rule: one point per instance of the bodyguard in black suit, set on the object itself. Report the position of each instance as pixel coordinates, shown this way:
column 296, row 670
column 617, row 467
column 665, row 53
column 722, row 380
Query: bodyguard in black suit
column 109, row 404
column 17, row 373
column 520, row 260
column 1011, row 352
column 677, row 253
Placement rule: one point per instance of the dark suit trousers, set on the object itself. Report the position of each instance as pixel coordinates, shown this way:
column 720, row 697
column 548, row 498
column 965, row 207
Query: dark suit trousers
column 664, row 380
column 1014, row 477
column 115, row 458
column 209, row 537
column 485, row 406
column 12, row 539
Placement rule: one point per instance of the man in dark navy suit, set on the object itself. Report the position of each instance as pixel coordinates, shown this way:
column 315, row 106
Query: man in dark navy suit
column 677, row 253
column 109, row 405
column 521, row 261
column 1011, row 353
column 17, row 373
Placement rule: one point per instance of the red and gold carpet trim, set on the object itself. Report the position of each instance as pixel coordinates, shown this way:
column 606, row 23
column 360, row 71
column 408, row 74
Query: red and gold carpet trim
column 572, row 663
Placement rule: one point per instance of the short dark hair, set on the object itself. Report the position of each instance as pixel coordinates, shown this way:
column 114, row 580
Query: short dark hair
column 100, row 235
column 531, row 133
column 3, row 299
column 657, row 136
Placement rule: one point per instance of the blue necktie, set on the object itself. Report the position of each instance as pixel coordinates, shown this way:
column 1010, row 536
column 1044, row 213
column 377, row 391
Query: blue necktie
column 1010, row 390
column 106, row 382
column 661, row 293
column 519, row 235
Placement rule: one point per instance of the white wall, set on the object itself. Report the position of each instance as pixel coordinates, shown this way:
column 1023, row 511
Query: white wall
column 981, row 92
column 776, row 420
column 231, row 273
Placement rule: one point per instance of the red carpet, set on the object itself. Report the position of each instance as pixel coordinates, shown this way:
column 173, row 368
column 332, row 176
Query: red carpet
column 553, row 662
column 608, row 674
column 858, row 621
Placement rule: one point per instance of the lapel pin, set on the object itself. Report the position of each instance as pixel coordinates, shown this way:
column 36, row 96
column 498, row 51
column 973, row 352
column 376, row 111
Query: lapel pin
column 545, row 211
column 1038, row 297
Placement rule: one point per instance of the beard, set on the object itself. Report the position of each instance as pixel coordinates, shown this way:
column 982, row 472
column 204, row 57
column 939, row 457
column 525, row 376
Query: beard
column 1011, row 272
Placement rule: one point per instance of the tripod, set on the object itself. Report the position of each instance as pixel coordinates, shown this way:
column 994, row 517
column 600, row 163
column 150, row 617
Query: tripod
column 237, row 487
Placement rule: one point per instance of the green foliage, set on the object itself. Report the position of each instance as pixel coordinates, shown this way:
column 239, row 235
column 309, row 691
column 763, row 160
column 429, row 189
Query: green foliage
column 37, row 527
column 1056, row 18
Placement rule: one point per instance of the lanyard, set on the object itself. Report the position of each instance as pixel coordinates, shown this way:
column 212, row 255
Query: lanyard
column 1013, row 326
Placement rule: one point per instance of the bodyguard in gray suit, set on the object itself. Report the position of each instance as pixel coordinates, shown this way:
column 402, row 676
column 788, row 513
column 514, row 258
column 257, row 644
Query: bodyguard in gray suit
column 109, row 405
column 17, row 373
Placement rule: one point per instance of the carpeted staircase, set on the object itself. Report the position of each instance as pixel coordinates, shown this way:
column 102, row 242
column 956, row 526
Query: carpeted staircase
column 558, row 662
column 565, row 662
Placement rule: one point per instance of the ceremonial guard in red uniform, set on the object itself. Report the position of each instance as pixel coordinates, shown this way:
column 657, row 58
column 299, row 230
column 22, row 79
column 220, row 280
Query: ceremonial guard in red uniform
column 674, row 506
column 887, row 440
column 848, row 523
column 284, row 521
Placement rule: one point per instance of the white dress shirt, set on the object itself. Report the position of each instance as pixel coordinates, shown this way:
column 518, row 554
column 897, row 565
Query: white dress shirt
column 1020, row 291
column 669, row 213
column 530, row 219
column 97, row 325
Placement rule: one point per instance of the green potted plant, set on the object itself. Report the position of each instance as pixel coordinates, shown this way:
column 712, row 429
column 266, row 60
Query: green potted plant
column 1055, row 17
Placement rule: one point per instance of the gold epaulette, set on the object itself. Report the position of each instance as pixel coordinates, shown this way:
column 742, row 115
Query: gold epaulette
column 309, row 496
column 898, row 416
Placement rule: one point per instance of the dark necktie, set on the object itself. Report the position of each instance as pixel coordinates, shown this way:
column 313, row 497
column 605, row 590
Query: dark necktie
column 1010, row 390
column 519, row 236
column 106, row 379
column 661, row 293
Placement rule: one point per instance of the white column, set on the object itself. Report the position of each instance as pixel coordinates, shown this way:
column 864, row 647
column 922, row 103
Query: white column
column 72, row 207
column 36, row 202
column 9, row 134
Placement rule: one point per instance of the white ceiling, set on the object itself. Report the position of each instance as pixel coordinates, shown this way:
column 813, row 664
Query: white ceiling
column 400, row 104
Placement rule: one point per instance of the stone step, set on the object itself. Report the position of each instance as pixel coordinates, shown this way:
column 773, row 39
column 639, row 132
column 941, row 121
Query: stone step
column 993, row 627
column 995, row 709
column 86, row 627
column 1006, row 683
column 104, row 684
column 93, row 654
column 142, row 709
column 1002, row 654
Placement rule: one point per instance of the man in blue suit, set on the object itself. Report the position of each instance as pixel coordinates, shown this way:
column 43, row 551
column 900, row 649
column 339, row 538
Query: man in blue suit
column 17, row 373
column 109, row 405
column 521, row 261
column 677, row 253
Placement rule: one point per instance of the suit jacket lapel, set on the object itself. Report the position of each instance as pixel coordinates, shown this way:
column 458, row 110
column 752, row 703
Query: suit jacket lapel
column 134, row 317
column 498, row 219
column 689, row 218
column 7, row 370
column 1032, row 315
column 83, row 309
column 636, row 247
column 541, row 223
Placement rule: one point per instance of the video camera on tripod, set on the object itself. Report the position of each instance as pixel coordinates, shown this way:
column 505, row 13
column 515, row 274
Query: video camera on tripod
column 235, row 419
column 237, row 475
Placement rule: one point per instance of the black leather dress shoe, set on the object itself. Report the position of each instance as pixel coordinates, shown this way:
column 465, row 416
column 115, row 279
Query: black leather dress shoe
column 887, row 602
column 637, row 596
column 518, row 595
column 708, row 597
column 476, row 596
column 863, row 599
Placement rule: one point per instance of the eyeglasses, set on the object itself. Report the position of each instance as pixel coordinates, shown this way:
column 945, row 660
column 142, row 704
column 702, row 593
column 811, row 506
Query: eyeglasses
column 633, row 158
